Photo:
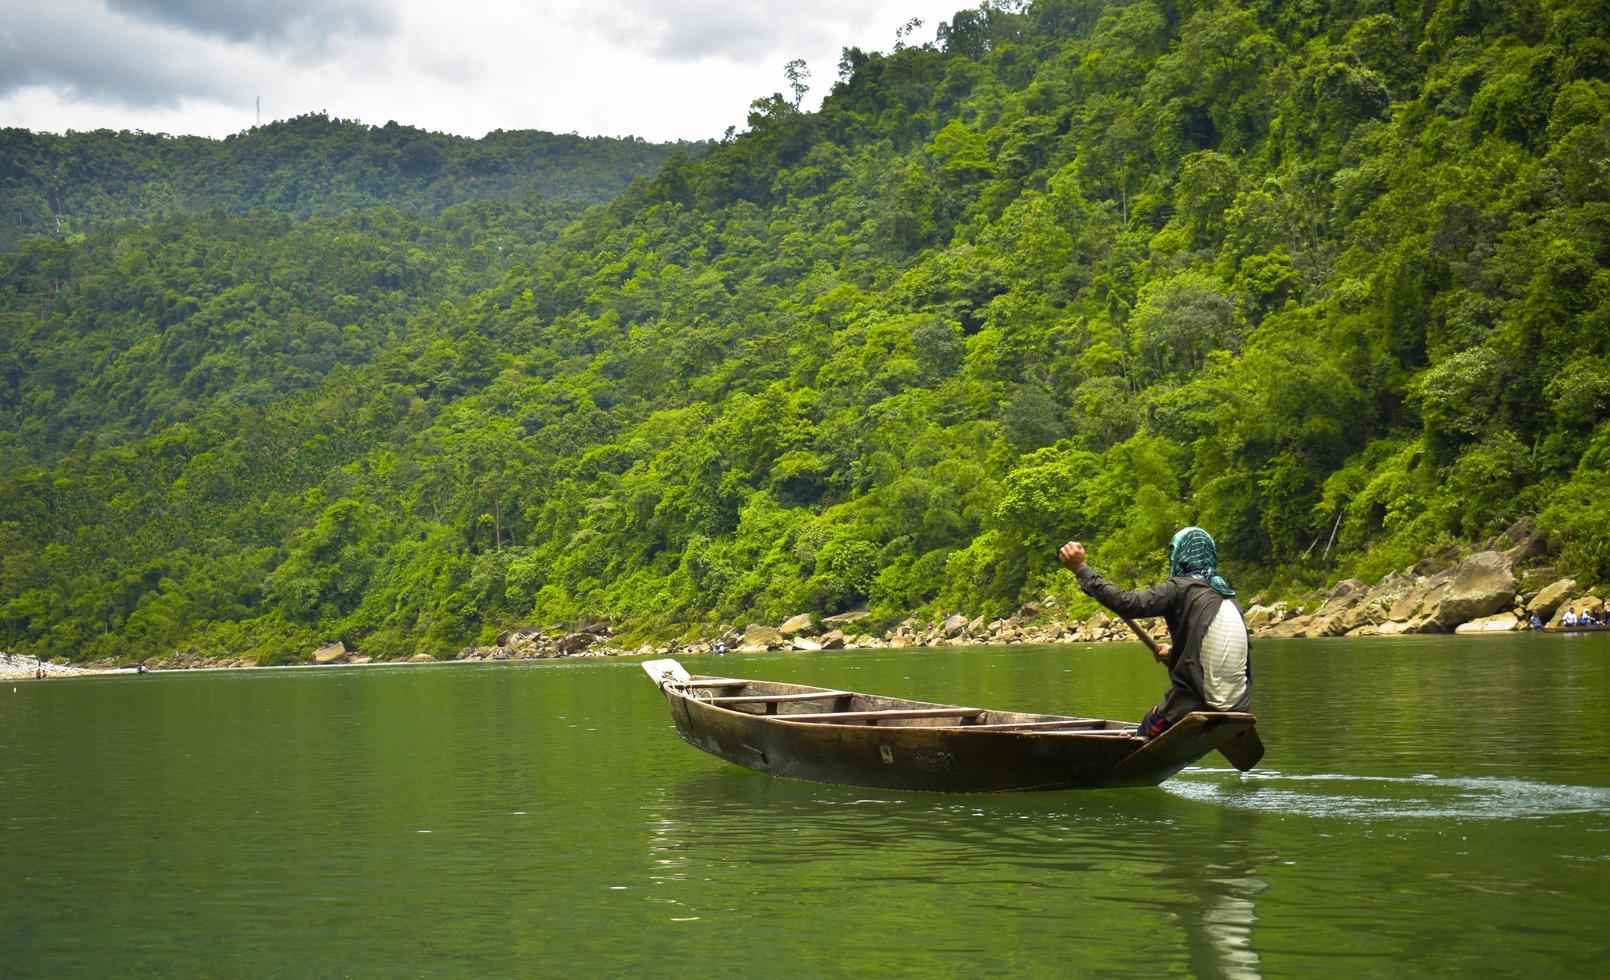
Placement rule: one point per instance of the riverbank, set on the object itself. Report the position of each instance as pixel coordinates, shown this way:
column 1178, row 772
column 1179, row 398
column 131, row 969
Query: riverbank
column 1490, row 591
column 22, row 667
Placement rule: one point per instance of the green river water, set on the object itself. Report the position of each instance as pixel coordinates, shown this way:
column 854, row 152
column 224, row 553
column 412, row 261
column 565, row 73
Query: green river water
column 1427, row 806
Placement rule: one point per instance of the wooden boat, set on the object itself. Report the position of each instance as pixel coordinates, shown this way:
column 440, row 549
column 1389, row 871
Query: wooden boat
column 834, row 736
column 1580, row 628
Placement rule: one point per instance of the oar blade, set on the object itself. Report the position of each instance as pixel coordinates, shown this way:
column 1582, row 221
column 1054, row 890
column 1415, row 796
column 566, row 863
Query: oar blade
column 1244, row 750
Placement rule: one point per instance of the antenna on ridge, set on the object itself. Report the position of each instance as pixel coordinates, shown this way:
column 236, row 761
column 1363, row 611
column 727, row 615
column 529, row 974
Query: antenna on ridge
column 259, row 110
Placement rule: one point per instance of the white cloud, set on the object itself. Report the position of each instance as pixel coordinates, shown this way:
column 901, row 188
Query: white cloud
column 302, row 22
column 660, row 69
column 84, row 52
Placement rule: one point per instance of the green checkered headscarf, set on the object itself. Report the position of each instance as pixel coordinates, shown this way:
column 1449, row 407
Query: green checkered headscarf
column 1192, row 553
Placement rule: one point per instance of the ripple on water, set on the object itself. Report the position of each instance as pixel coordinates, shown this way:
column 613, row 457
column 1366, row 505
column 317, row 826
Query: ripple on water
column 1387, row 797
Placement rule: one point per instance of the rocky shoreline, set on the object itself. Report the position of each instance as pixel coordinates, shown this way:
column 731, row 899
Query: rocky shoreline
column 1490, row 591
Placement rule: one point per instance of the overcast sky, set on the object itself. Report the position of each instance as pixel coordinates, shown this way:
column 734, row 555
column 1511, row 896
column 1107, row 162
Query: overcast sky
column 659, row 69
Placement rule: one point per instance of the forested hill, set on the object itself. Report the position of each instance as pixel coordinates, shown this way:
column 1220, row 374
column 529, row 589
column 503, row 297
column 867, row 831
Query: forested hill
column 306, row 166
column 1328, row 279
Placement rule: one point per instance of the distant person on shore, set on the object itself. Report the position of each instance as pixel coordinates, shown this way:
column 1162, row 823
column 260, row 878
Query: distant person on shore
column 1535, row 622
column 1208, row 661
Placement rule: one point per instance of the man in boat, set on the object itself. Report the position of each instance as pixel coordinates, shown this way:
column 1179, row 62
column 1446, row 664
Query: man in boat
column 1207, row 661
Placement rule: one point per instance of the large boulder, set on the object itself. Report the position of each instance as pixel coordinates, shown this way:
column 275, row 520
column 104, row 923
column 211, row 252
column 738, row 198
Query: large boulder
column 832, row 640
column 1389, row 628
column 1331, row 618
column 1424, row 623
column 954, row 625
column 1295, row 626
column 330, row 653
column 1261, row 617
column 519, row 635
column 1553, row 595
column 1409, row 605
column 757, row 638
column 1481, row 585
column 800, row 625
column 1398, row 595
column 575, row 643
column 803, row 644
column 1501, row 623
column 1365, row 613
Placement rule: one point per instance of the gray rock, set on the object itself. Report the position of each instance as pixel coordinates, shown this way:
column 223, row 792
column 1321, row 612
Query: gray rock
column 1481, row 585
column 757, row 638
column 330, row 653
column 1546, row 602
column 802, row 644
column 1259, row 617
column 1423, row 624
column 1391, row 628
column 798, row 626
column 1348, row 590
column 954, row 625
column 832, row 640
column 1332, row 617
column 1365, row 613
column 575, row 643
column 1501, row 623
column 1409, row 605
column 1295, row 626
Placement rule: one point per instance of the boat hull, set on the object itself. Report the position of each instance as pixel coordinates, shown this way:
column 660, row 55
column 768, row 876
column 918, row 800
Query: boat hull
column 947, row 758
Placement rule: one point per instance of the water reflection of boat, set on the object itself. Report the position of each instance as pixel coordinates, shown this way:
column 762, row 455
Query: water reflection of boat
column 844, row 737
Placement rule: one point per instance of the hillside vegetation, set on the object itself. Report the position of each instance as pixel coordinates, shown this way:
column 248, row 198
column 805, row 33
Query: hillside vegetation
column 1326, row 278
column 306, row 166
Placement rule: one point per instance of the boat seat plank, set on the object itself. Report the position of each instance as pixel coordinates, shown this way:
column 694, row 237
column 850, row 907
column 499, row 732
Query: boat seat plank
column 885, row 713
column 1095, row 723
column 776, row 698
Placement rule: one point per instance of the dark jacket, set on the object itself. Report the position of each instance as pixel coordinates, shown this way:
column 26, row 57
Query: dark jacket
column 1189, row 606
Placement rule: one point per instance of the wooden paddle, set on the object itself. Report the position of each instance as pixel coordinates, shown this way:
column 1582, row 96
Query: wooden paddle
column 1243, row 751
